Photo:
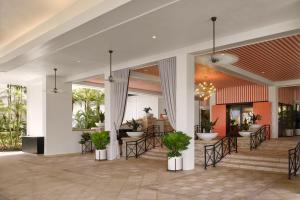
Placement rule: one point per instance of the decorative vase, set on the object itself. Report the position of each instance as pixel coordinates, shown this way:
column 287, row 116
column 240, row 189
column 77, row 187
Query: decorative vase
column 175, row 163
column 207, row 136
column 245, row 133
column 289, row 132
column 100, row 154
column 135, row 133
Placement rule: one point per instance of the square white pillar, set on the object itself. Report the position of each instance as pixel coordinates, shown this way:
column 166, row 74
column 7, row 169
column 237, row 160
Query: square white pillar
column 185, row 70
column 112, row 153
column 212, row 102
column 273, row 98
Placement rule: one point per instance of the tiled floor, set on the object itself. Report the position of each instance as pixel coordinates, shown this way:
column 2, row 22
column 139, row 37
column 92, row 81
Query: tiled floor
column 77, row 177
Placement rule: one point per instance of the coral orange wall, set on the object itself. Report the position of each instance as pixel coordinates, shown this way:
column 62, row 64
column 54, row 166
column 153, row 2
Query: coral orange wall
column 265, row 110
column 219, row 111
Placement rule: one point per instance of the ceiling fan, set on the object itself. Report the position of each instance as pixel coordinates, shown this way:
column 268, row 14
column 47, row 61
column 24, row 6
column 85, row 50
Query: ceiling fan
column 215, row 59
column 55, row 90
column 110, row 78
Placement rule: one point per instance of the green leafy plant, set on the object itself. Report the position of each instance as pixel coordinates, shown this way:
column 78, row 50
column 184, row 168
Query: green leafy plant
column 85, row 136
column 208, row 125
column 176, row 143
column 244, row 126
column 147, row 109
column 254, row 118
column 100, row 139
column 101, row 117
column 134, row 124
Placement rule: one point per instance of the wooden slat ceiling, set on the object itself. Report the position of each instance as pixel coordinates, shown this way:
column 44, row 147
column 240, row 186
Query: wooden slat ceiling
column 276, row 60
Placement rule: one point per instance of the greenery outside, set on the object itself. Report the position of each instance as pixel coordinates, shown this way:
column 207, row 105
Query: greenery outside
column 176, row 143
column 90, row 101
column 12, row 117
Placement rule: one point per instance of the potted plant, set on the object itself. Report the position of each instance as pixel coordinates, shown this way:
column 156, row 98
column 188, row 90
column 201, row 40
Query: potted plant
column 244, row 129
column 254, row 118
column 100, row 140
column 207, row 130
column 84, row 138
column 135, row 125
column 175, row 143
column 147, row 111
column 289, row 123
column 100, row 124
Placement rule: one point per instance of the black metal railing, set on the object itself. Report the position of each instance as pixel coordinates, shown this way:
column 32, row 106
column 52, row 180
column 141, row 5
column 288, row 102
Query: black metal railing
column 216, row 152
column 259, row 136
column 151, row 139
column 294, row 160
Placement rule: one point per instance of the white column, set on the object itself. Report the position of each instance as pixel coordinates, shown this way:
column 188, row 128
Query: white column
column 273, row 98
column 50, row 115
column 212, row 102
column 185, row 70
column 108, row 117
column 35, row 109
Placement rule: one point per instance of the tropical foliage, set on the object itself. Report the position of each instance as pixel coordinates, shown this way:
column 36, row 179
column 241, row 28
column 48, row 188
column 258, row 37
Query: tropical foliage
column 176, row 143
column 12, row 116
column 90, row 101
column 100, row 139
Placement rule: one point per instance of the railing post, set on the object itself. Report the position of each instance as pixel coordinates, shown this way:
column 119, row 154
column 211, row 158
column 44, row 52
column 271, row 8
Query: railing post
column 222, row 143
column 136, row 151
column 229, row 145
column 126, row 151
column 295, row 163
column 146, row 144
column 205, row 165
column 214, row 154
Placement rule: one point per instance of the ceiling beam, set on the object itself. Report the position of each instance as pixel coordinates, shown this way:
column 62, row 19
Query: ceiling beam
column 243, row 74
column 288, row 83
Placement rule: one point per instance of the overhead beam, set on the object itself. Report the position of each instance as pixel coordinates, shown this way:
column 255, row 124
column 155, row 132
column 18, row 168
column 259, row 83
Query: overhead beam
column 288, row 83
column 243, row 74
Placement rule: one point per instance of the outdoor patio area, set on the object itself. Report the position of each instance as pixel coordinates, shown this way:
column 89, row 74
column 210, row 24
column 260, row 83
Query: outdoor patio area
column 30, row 177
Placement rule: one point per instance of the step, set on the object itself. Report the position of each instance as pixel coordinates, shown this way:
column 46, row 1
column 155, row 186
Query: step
column 253, row 167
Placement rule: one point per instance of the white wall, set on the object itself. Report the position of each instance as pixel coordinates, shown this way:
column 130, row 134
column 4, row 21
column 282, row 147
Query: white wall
column 136, row 104
column 34, row 109
column 60, row 139
column 50, row 115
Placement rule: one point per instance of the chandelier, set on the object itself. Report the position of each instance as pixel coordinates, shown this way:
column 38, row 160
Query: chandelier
column 205, row 90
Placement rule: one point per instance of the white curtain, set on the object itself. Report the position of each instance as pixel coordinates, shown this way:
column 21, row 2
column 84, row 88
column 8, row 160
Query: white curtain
column 167, row 71
column 119, row 93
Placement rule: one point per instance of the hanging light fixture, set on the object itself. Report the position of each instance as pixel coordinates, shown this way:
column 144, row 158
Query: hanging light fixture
column 204, row 90
column 55, row 90
column 216, row 58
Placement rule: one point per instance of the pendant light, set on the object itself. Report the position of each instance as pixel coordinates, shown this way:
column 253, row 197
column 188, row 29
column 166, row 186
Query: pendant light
column 110, row 78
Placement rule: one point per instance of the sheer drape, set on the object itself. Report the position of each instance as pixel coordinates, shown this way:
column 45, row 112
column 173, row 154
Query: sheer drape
column 167, row 71
column 119, row 93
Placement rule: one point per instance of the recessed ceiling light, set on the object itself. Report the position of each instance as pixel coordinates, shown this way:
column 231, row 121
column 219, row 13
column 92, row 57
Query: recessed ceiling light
column 262, row 72
column 153, row 36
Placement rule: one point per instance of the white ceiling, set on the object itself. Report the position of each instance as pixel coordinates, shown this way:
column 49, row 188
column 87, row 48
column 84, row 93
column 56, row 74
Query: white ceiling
column 129, row 29
column 18, row 17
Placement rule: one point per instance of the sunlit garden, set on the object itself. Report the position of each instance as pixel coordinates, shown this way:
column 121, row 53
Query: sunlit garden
column 12, row 116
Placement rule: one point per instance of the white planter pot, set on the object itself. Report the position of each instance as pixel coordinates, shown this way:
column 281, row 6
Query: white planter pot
column 245, row 133
column 149, row 115
column 297, row 132
column 255, row 126
column 289, row 132
column 100, row 154
column 175, row 163
column 100, row 124
column 135, row 134
column 207, row 136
